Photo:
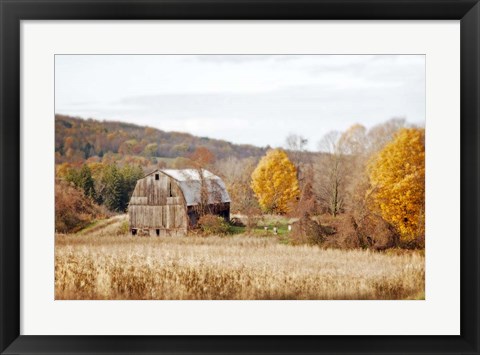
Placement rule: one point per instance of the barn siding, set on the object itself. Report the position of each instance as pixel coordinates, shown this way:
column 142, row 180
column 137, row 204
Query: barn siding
column 152, row 207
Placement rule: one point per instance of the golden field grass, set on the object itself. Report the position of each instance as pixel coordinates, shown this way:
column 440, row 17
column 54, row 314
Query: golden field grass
column 101, row 264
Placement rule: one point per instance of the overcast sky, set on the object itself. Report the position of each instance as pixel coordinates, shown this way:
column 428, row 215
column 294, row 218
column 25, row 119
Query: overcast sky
column 243, row 99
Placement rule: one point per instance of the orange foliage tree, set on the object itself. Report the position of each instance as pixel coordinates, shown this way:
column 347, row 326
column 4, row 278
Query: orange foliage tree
column 202, row 157
column 274, row 182
column 397, row 177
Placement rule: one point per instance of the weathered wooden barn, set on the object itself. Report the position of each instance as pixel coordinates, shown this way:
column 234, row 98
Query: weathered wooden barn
column 169, row 202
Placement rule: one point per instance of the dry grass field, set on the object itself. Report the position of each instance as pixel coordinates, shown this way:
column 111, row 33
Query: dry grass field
column 102, row 264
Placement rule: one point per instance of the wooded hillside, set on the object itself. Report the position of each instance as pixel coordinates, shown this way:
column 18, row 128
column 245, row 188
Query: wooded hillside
column 77, row 140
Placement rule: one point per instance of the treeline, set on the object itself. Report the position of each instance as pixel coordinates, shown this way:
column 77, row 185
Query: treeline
column 78, row 140
column 368, row 184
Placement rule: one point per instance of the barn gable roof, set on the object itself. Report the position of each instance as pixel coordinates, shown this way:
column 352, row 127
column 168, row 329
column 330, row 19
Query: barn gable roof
column 189, row 181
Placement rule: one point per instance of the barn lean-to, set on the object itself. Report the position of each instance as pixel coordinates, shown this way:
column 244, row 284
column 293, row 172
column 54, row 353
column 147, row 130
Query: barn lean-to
column 167, row 202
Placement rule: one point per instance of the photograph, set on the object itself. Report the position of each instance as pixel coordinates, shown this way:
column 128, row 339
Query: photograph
column 240, row 177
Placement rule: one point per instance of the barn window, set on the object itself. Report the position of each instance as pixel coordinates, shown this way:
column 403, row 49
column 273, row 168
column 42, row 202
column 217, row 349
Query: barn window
column 157, row 176
column 170, row 190
column 158, row 232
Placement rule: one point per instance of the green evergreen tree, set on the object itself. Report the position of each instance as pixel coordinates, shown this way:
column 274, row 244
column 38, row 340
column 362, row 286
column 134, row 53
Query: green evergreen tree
column 73, row 177
column 86, row 182
column 113, row 192
column 130, row 175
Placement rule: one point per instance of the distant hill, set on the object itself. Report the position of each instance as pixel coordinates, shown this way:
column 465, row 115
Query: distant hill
column 77, row 140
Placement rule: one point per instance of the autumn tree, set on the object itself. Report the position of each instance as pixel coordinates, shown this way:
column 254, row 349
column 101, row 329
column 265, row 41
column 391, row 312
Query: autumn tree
column 150, row 150
column 274, row 182
column 397, row 177
column 358, row 145
column 306, row 206
column 236, row 174
column 354, row 146
column 380, row 135
column 353, row 141
column 202, row 157
column 62, row 170
column 331, row 168
column 341, row 181
column 73, row 210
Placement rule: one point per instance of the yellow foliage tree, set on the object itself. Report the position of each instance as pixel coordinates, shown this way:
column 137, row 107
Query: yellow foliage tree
column 397, row 177
column 274, row 182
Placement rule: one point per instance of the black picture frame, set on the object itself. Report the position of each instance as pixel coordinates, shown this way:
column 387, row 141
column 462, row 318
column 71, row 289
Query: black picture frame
column 14, row 11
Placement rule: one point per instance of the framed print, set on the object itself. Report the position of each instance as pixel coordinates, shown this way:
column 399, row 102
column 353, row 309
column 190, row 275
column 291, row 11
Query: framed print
column 218, row 177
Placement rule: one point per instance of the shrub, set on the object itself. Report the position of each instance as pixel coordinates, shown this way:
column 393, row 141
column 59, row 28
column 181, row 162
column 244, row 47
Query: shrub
column 307, row 231
column 123, row 228
column 343, row 233
column 212, row 224
column 73, row 210
column 369, row 232
column 377, row 233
